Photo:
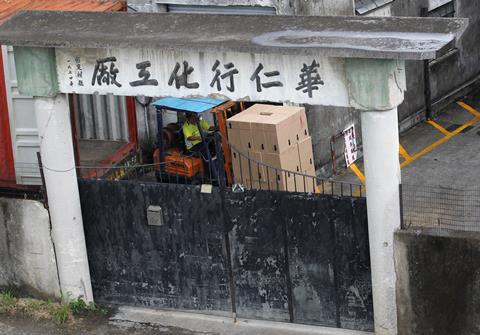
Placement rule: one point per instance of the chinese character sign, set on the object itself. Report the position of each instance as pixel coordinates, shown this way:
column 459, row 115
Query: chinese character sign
column 308, row 79
column 351, row 151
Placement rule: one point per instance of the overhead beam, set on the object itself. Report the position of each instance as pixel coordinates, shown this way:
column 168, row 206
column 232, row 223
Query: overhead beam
column 342, row 36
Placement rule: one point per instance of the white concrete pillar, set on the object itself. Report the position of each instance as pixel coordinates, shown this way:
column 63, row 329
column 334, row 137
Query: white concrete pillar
column 376, row 88
column 382, row 172
column 56, row 149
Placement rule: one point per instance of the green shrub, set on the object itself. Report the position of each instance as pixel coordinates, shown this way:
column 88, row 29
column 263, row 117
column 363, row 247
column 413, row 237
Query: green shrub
column 60, row 313
column 78, row 306
column 7, row 300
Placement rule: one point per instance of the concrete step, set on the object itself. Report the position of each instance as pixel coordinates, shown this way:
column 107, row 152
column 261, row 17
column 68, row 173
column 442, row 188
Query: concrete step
column 218, row 325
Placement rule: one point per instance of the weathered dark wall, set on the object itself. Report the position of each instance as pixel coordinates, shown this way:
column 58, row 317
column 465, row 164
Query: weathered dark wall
column 325, row 122
column 294, row 257
column 449, row 73
column 438, row 284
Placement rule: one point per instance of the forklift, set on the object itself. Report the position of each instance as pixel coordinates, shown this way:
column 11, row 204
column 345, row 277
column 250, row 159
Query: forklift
column 172, row 159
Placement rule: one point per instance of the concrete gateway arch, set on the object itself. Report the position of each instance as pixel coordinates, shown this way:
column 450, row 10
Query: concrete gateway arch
column 332, row 61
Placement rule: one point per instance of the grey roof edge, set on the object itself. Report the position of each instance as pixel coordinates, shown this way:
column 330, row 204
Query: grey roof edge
column 333, row 53
column 40, row 29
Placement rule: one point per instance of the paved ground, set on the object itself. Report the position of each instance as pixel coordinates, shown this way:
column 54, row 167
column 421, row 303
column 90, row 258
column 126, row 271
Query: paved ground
column 441, row 153
column 25, row 326
column 139, row 321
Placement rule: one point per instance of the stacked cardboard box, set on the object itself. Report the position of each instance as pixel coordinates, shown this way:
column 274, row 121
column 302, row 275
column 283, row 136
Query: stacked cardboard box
column 269, row 142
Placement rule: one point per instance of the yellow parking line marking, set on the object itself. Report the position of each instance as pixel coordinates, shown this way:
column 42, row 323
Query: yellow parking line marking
column 357, row 171
column 357, row 194
column 439, row 127
column 468, row 108
column 442, row 140
column 405, row 154
column 448, row 135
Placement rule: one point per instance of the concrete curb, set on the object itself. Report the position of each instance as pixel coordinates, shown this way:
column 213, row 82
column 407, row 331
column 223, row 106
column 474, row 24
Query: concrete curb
column 221, row 325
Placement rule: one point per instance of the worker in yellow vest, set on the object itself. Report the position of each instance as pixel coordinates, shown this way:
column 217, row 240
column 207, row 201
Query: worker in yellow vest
column 193, row 139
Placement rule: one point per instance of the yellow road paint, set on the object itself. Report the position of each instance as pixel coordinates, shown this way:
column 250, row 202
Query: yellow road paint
column 468, row 108
column 357, row 171
column 439, row 127
column 442, row 140
column 448, row 135
column 405, row 154
column 359, row 193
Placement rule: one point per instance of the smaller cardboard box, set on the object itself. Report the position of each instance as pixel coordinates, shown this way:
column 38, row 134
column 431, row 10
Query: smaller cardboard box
column 257, row 115
column 240, row 135
column 299, row 124
column 273, row 129
column 304, row 183
column 284, row 181
column 280, row 137
column 245, row 169
column 280, row 168
column 268, row 128
column 239, row 128
column 305, row 154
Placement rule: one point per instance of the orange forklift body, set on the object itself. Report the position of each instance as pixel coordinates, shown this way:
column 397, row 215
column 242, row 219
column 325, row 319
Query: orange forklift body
column 177, row 164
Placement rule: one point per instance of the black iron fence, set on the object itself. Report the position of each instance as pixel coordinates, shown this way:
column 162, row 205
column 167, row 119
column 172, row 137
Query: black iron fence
column 440, row 208
column 224, row 165
column 252, row 175
column 286, row 181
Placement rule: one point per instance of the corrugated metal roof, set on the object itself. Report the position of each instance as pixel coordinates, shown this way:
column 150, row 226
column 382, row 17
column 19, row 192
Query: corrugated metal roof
column 365, row 6
column 8, row 8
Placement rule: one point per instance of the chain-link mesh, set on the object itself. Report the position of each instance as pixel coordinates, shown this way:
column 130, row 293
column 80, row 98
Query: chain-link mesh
column 440, row 208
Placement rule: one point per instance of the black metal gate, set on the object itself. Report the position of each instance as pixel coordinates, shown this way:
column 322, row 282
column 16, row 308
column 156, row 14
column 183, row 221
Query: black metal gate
column 275, row 256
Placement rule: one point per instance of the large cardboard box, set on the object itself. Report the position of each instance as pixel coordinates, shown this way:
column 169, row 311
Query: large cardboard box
column 276, row 137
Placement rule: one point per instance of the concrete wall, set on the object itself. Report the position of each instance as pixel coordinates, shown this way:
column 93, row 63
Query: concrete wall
column 450, row 72
column 26, row 249
column 438, row 282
